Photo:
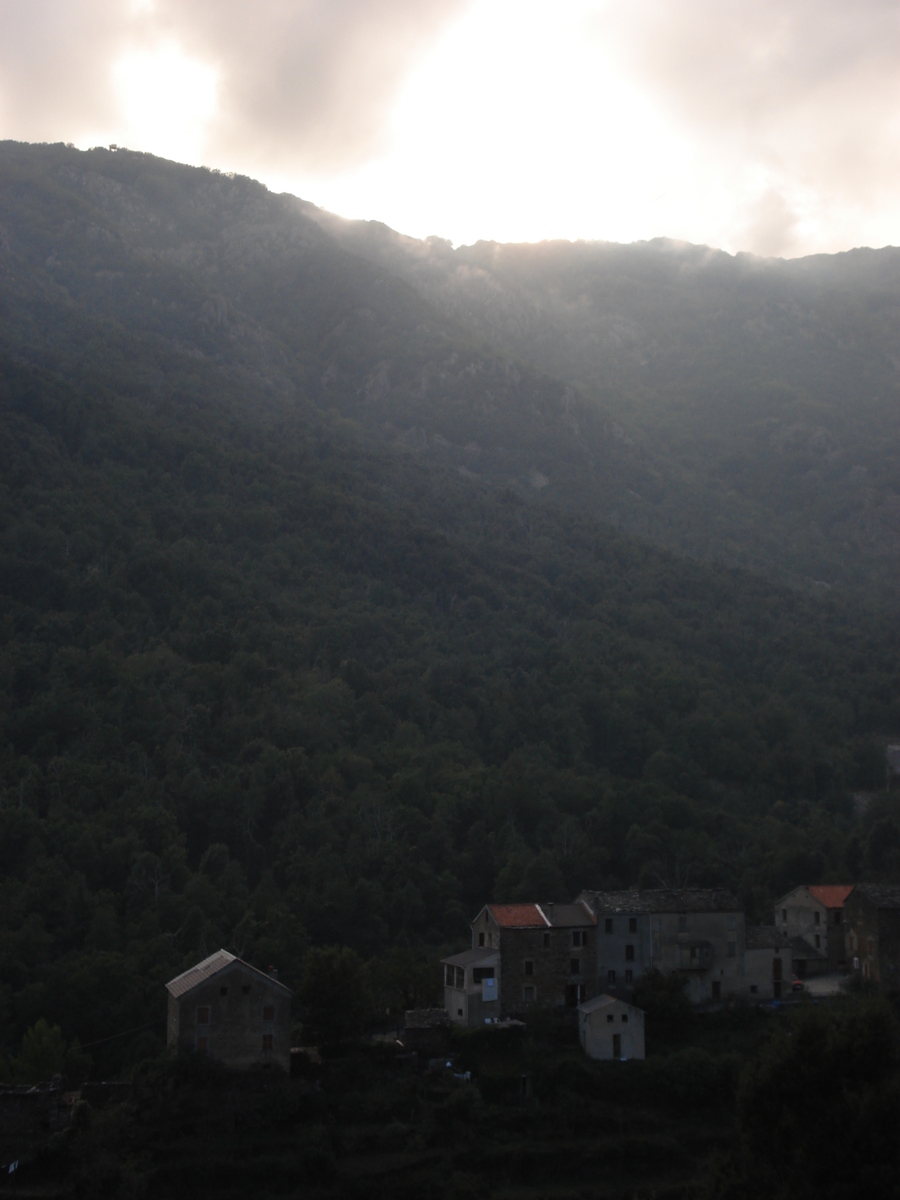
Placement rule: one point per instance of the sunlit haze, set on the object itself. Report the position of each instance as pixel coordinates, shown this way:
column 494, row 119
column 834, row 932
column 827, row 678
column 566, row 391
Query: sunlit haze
column 769, row 127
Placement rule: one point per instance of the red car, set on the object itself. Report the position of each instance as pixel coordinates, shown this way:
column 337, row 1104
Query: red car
column 796, row 984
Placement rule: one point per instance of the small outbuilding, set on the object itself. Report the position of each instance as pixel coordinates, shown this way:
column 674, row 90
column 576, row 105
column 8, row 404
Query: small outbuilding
column 609, row 1028
column 236, row 1014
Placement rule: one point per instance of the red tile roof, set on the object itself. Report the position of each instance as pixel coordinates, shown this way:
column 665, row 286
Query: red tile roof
column 832, row 895
column 518, row 916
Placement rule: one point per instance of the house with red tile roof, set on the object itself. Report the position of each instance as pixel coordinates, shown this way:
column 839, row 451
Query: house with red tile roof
column 523, row 956
column 811, row 917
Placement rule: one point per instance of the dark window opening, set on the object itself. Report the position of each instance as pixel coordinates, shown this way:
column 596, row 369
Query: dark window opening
column 617, row 1045
column 716, row 990
column 269, row 1012
column 246, row 989
column 223, row 991
column 624, row 1018
column 203, row 1015
column 268, row 1040
column 609, row 1018
column 753, row 989
column 629, row 976
column 784, row 915
column 607, row 925
column 610, row 977
column 481, row 939
column 529, row 966
column 818, row 941
column 546, row 941
column 837, row 918
column 202, row 1045
column 574, row 966
column 480, row 973
column 632, row 924
column 629, row 953
column 816, row 918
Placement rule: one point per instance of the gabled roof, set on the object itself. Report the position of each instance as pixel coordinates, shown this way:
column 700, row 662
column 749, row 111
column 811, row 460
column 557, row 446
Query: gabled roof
column 832, row 895
column 211, row 966
column 567, row 916
column 603, row 1001
column 801, row 948
column 764, row 937
column 661, row 900
column 882, row 895
column 518, row 916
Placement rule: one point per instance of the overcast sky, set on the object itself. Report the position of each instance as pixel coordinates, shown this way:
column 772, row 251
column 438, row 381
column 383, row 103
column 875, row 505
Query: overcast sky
column 763, row 125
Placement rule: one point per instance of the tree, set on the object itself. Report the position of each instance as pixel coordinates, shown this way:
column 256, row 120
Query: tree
column 334, row 995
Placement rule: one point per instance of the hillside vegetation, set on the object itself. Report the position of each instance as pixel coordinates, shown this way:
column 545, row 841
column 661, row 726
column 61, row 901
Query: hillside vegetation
column 284, row 665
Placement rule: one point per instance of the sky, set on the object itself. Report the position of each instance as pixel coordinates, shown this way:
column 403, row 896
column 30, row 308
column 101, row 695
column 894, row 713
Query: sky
column 770, row 126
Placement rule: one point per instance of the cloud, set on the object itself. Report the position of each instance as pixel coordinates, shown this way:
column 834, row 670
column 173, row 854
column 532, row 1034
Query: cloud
column 304, row 84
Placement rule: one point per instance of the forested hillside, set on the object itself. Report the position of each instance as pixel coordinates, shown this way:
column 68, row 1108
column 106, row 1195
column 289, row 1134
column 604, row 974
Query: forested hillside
column 283, row 667
column 760, row 396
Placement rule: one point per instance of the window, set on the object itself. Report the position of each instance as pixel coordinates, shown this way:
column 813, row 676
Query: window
column 815, row 918
column 480, row 973
column 682, row 923
column 481, row 939
column 574, row 966
column 223, row 991
column 611, row 977
column 753, row 989
column 246, row 989
column 629, row 976
column 784, row 915
column 609, row 1018
column 716, row 990
column 624, row 1018
column 837, row 917
column 203, row 1015
column 202, row 1045
column 459, row 1012
column 269, row 1012
column 818, row 940
column 632, row 924
column 528, row 994
column 579, row 938
column 629, row 953
column 529, row 966
column 267, row 1042
column 461, row 977
column 607, row 925
column 732, row 949
column 731, row 921
column 449, row 975
column 546, row 941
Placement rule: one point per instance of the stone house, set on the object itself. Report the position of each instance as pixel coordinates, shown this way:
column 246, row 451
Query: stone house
column 698, row 933
column 545, row 958
column 872, row 919
column 236, row 1014
column 472, row 986
column 608, row 1028
column 767, row 963
column 812, row 918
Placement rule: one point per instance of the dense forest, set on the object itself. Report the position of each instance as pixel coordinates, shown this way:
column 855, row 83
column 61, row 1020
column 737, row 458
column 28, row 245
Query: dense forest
column 311, row 632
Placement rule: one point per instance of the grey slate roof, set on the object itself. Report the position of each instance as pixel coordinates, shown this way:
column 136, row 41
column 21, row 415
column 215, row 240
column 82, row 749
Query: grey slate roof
column 568, row 916
column 764, row 937
column 204, row 970
column 661, row 900
column 882, row 895
column 603, row 1001
column 801, row 948
column 469, row 958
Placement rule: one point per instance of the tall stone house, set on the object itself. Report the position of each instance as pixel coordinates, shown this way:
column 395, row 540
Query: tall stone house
column 812, row 919
column 698, row 933
column 236, row 1014
column 767, row 963
column 872, row 920
column 522, row 956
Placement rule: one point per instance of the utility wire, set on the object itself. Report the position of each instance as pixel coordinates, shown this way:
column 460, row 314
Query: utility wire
column 113, row 1036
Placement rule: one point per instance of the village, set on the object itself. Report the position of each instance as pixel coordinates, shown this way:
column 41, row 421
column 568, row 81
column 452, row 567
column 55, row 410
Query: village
column 588, row 956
